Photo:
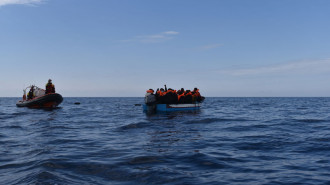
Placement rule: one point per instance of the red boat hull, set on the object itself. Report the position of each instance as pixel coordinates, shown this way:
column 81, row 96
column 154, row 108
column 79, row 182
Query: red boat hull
column 47, row 101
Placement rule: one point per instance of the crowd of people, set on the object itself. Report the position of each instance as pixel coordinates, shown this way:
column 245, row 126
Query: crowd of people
column 170, row 96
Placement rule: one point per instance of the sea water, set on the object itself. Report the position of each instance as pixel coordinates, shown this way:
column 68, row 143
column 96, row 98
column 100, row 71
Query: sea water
column 112, row 141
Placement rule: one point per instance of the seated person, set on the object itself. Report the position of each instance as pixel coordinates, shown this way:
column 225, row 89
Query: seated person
column 30, row 93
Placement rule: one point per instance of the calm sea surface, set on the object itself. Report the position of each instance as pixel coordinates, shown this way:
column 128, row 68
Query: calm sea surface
column 111, row 141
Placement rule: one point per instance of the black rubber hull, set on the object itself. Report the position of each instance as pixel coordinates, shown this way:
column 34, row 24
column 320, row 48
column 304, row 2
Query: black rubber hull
column 47, row 101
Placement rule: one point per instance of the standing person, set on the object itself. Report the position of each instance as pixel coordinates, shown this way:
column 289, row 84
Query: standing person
column 50, row 88
column 30, row 94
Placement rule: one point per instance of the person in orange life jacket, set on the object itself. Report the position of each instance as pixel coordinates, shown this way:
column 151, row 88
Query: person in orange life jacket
column 196, row 91
column 181, row 93
column 50, row 88
column 188, row 97
column 162, row 92
column 193, row 97
column 171, row 97
column 157, row 94
column 151, row 91
column 175, row 97
column 199, row 98
column 195, row 94
column 160, row 95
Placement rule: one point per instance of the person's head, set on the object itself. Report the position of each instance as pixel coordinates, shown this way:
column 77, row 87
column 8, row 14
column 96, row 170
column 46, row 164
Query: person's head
column 195, row 89
column 161, row 89
column 50, row 81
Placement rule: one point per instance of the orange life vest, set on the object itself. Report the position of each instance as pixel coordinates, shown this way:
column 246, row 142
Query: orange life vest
column 180, row 95
column 150, row 91
column 160, row 93
column 189, row 93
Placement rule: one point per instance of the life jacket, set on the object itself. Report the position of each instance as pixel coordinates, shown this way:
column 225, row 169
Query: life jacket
column 194, row 97
column 162, row 93
column 150, row 91
column 189, row 93
column 50, row 88
column 197, row 92
column 30, row 95
column 198, row 96
column 188, row 97
column 180, row 96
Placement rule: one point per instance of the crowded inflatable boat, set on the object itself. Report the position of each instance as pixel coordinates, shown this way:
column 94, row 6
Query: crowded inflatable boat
column 172, row 100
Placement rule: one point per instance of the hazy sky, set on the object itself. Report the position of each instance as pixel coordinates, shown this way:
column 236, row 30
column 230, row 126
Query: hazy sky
column 123, row 47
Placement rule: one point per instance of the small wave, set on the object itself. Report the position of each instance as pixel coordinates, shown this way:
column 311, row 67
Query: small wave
column 134, row 126
column 259, row 104
column 61, row 127
column 201, row 160
column 255, row 170
column 240, row 128
column 144, row 160
column 269, row 145
column 322, row 148
column 36, row 152
column 16, row 165
column 310, row 120
column 68, row 140
column 323, row 161
column 302, row 108
column 52, row 164
column 322, row 139
column 12, row 115
column 11, row 127
column 214, row 120
column 44, row 177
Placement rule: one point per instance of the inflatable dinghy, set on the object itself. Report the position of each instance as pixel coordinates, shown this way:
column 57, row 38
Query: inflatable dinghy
column 40, row 99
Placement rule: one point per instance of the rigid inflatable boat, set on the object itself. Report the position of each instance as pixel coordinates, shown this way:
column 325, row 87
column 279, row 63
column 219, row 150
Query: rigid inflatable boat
column 40, row 99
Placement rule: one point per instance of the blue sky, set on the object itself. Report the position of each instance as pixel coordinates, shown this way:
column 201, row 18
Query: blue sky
column 123, row 47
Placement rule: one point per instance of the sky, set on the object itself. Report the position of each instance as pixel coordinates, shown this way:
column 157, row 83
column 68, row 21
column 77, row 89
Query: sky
column 121, row 48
